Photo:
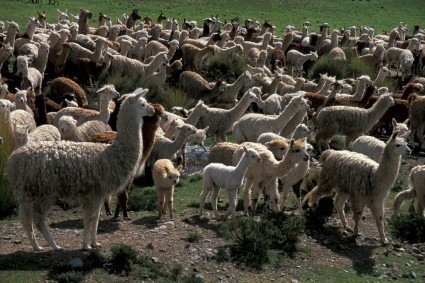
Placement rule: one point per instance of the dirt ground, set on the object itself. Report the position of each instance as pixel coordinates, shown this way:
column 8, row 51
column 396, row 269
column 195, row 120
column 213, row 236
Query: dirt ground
column 166, row 241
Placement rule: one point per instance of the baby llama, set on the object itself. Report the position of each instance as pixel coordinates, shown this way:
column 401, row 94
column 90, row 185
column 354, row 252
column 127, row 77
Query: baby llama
column 37, row 190
column 165, row 177
column 358, row 178
column 218, row 175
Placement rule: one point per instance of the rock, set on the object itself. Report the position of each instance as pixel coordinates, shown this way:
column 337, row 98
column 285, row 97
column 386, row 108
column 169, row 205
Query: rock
column 412, row 274
column 199, row 277
column 17, row 242
column 150, row 246
column 76, row 263
column 155, row 259
column 420, row 257
column 224, row 254
column 416, row 250
column 169, row 223
column 162, row 227
column 208, row 255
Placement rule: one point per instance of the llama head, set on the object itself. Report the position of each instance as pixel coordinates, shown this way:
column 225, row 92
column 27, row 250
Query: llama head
column 278, row 146
column 21, row 134
column 298, row 151
column 66, row 125
column 397, row 145
column 5, row 106
column 402, row 128
column 251, row 154
column 173, row 175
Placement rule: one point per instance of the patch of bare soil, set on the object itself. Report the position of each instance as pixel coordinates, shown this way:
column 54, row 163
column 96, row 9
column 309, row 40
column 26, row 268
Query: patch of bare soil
column 166, row 241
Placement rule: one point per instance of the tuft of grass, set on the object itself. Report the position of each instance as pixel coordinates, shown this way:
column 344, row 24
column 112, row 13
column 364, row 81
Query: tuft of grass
column 224, row 67
column 122, row 258
column 142, row 199
column 335, row 68
column 408, row 227
column 250, row 240
column 193, row 237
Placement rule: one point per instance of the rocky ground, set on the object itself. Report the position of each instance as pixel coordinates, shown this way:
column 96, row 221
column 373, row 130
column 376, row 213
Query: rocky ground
column 167, row 242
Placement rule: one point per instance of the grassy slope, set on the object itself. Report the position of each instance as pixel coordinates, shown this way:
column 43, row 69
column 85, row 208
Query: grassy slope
column 382, row 14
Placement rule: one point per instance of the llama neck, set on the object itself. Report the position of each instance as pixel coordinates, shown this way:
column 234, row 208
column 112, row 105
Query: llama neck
column 194, row 116
column 179, row 141
column 334, row 40
column 104, row 109
column 153, row 66
column 171, row 52
column 30, row 31
column 234, row 88
column 236, row 112
column 379, row 78
column 97, row 54
column 359, row 91
column 10, row 38
column 273, row 85
column 241, row 167
column 321, row 84
column 287, row 41
column 288, row 130
column 281, row 120
column 266, row 41
column 324, row 89
column 391, row 40
column 387, row 172
column 376, row 112
column 282, row 167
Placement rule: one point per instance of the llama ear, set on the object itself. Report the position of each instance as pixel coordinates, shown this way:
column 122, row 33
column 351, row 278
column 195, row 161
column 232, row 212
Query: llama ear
column 180, row 167
column 244, row 149
column 206, row 128
column 291, row 142
column 166, row 170
column 406, row 122
column 27, row 128
column 394, row 122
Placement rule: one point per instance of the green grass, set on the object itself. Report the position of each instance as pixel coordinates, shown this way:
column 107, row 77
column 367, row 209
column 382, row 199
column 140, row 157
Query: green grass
column 381, row 14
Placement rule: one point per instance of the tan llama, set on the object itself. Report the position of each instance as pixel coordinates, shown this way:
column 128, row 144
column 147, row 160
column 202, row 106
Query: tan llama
column 165, row 176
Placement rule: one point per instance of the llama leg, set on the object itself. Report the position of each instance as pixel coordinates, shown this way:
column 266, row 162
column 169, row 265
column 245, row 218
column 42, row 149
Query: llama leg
column 378, row 215
column 106, row 204
column 233, row 199
column 401, row 197
column 357, row 207
column 205, row 191
column 214, row 198
column 339, row 203
column 122, row 202
column 161, row 199
column 247, row 195
column 297, row 191
column 40, row 215
column 93, row 228
column 420, row 205
column 271, row 192
column 90, row 214
column 26, row 217
column 285, row 193
column 255, row 195
column 170, row 201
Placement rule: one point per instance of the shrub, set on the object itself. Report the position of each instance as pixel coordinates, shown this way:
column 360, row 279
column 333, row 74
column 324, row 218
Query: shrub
column 220, row 66
column 358, row 68
column 95, row 259
column 317, row 216
column 193, row 237
column 122, row 258
column 332, row 67
column 408, row 227
column 142, row 199
column 251, row 240
column 289, row 228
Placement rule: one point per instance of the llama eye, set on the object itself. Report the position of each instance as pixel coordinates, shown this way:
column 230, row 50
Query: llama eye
column 397, row 145
column 282, row 148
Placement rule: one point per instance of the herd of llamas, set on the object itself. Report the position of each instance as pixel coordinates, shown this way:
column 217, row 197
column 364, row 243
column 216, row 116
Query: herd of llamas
column 67, row 148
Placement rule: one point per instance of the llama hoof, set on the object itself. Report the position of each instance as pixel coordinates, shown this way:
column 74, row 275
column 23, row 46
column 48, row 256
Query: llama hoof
column 38, row 248
column 127, row 218
column 96, row 245
column 58, row 248
column 87, row 248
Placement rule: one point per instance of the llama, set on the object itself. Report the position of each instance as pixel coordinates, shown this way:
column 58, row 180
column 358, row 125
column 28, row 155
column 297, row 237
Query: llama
column 165, row 177
column 252, row 125
column 218, row 175
column 28, row 166
column 351, row 121
column 262, row 177
column 295, row 60
column 415, row 191
column 358, row 178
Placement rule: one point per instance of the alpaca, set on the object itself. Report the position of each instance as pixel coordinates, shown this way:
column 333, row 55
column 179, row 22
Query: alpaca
column 351, row 121
column 262, row 177
column 415, row 191
column 295, row 61
column 104, row 169
column 165, row 177
column 220, row 121
column 194, row 56
column 218, row 175
column 251, row 126
column 71, row 132
column 358, row 178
